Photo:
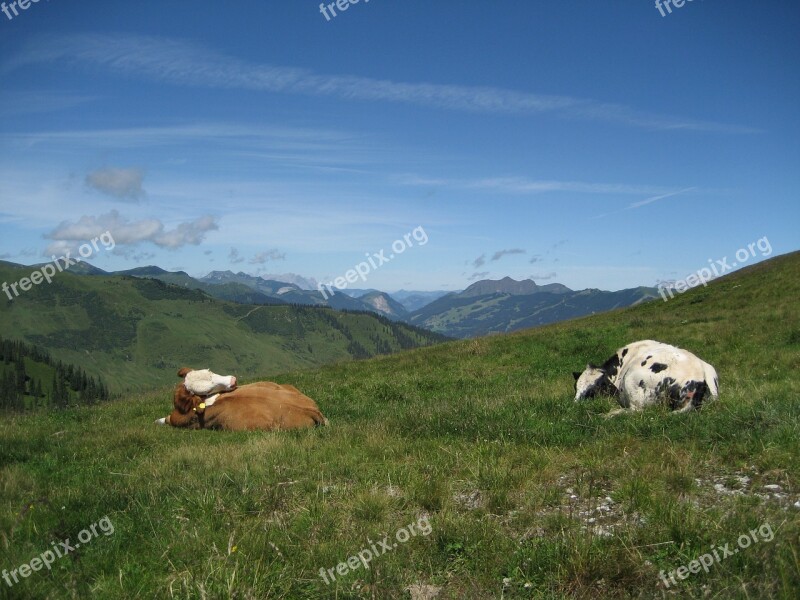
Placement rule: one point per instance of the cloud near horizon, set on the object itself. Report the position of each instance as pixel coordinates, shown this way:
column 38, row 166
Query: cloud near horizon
column 264, row 257
column 501, row 253
column 67, row 236
column 545, row 276
column 481, row 275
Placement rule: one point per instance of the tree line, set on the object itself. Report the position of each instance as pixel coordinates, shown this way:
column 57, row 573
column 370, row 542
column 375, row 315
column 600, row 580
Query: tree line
column 21, row 390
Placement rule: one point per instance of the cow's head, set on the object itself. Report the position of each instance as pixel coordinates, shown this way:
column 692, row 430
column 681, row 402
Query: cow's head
column 204, row 383
column 592, row 382
column 189, row 397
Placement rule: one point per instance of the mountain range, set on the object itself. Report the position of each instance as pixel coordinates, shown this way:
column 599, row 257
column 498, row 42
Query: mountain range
column 505, row 305
column 485, row 307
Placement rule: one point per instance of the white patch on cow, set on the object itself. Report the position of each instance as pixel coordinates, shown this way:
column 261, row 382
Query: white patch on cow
column 204, row 383
column 161, row 421
column 210, row 400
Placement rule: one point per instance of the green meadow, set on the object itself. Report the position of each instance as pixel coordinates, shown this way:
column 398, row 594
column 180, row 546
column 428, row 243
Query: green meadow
column 528, row 494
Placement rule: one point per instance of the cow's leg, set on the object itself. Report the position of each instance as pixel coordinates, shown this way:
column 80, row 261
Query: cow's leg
column 615, row 412
column 210, row 400
column 691, row 396
column 178, row 419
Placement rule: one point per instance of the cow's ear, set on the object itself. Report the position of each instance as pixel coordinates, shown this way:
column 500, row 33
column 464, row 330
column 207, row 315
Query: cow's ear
column 576, row 375
column 183, row 400
column 184, row 371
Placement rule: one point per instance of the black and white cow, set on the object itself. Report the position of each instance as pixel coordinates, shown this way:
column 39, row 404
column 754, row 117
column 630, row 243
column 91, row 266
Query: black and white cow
column 648, row 372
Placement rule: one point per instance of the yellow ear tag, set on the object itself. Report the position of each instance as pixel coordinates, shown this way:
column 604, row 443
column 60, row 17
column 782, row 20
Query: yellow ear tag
column 202, row 405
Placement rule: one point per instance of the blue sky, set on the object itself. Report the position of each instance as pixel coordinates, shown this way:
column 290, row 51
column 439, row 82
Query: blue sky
column 593, row 143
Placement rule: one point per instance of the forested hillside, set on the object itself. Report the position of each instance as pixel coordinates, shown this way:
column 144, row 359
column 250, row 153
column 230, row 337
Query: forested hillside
column 31, row 379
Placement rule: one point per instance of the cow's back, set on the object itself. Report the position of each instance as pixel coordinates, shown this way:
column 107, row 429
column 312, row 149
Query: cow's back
column 264, row 405
column 651, row 370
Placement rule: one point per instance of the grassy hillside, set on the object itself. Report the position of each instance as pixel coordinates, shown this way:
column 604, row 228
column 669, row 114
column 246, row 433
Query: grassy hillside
column 135, row 333
column 527, row 494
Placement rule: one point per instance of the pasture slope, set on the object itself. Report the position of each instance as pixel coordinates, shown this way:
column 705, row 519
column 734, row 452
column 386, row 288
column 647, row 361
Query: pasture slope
column 136, row 333
column 528, row 495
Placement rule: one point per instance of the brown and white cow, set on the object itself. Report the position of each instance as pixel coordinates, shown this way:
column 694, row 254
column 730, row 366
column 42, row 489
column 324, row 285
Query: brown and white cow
column 647, row 372
column 205, row 400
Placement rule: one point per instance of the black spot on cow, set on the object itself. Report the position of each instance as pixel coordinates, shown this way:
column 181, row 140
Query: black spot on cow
column 641, row 384
column 611, row 366
column 658, row 367
column 624, row 352
column 644, row 362
column 668, row 389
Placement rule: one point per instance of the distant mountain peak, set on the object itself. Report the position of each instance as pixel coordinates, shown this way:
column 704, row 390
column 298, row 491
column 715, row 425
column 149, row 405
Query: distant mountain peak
column 304, row 283
column 215, row 274
column 508, row 285
column 385, row 304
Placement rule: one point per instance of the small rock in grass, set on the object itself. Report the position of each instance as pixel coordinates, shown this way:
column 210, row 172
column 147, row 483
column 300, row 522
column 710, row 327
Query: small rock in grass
column 420, row 591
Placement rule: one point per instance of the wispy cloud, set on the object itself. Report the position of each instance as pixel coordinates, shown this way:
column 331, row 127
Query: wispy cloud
column 264, row 257
column 645, row 202
column 523, row 185
column 259, row 140
column 25, row 102
column 481, row 275
column 660, row 197
column 234, row 257
column 544, row 276
column 501, row 253
column 479, row 262
column 184, row 63
column 321, row 149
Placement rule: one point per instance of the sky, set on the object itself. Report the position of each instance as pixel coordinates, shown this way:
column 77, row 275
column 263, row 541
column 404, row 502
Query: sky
column 597, row 144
